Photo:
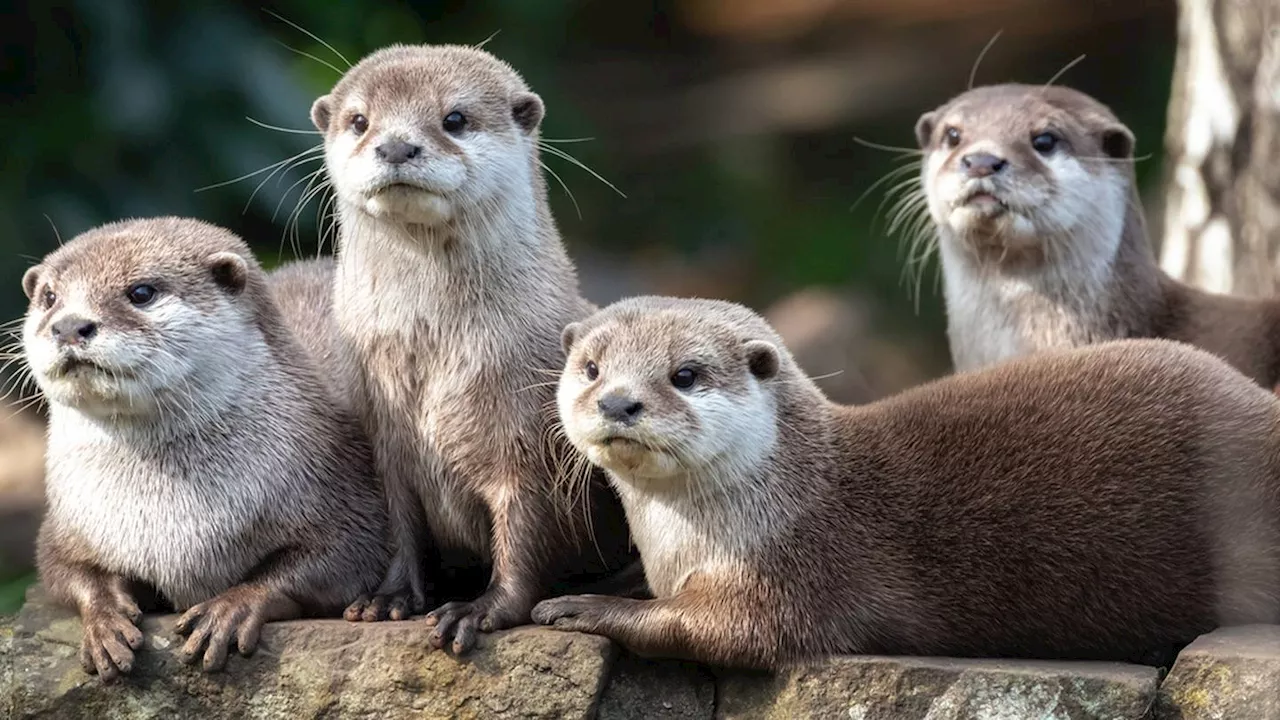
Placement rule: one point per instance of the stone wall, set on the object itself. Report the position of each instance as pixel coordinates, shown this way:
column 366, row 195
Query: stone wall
column 332, row 669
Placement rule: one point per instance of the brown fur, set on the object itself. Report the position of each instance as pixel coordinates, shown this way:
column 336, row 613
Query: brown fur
column 236, row 510
column 1130, row 297
column 453, row 322
column 1097, row 503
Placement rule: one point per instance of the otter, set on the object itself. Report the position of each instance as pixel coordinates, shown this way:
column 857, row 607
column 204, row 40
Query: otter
column 1098, row 503
column 450, row 292
column 193, row 454
column 1042, row 238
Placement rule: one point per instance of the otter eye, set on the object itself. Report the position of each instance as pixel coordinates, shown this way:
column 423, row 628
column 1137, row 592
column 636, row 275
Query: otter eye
column 593, row 372
column 49, row 298
column 454, row 122
column 951, row 137
column 684, row 378
column 141, row 295
column 1044, row 143
column 360, row 124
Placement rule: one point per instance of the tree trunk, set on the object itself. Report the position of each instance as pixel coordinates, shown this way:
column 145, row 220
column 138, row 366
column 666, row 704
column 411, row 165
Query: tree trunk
column 1222, row 207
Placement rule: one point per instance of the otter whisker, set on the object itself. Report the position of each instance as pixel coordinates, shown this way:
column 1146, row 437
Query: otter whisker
column 283, row 172
column 566, row 156
column 268, row 168
column 910, row 166
column 311, row 35
column 565, row 140
column 1064, row 70
column 567, row 191
column 887, row 148
column 277, row 128
column 973, row 72
column 57, row 235
column 482, row 43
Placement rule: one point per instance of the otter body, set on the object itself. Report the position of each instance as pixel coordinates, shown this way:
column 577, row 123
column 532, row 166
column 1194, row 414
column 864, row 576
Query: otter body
column 451, row 289
column 192, row 449
column 1043, row 243
column 1099, row 503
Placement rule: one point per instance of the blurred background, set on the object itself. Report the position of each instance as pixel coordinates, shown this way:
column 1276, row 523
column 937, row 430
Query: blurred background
column 729, row 125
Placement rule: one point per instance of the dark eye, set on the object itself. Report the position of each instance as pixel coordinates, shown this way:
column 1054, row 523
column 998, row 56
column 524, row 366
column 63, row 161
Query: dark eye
column 454, row 122
column 141, row 295
column 951, row 137
column 684, row 378
column 593, row 372
column 360, row 124
column 49, row 299
column 1044, row 143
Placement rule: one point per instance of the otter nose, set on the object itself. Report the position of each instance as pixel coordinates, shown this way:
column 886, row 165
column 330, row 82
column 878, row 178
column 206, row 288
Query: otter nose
column 982, row 164
column 396, row 152
column 73, row 330
column 620, row 408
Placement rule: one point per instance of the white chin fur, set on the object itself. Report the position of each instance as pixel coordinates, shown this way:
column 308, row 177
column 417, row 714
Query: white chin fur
column 97, row 394
column 408, row 205
column 630, row 461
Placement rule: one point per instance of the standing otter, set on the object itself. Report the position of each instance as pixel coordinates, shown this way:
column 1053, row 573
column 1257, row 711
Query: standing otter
column 451, row 289
column 191, row 449
column 1043, row 242
column 1097, row 503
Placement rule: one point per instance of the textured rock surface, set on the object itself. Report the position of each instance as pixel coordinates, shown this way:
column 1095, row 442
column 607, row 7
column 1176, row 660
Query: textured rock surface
column 1226, row 674
column 312, row 669
column 331, row 669
column 878, row 688
column 641, row 689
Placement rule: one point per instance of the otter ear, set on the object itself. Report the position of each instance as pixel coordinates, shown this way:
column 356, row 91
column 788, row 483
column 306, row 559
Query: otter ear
column 527, row 110
column 31, row 280
column 568, row 335
column 229, row 271
column 924, row 128
column 1118, row 142
column 321, row 113
column 762, row 359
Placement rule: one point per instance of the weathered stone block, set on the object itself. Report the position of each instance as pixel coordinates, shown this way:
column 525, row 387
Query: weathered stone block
column 1226, row 674
column 909, row 688
column 304, row 669
column 642, row 689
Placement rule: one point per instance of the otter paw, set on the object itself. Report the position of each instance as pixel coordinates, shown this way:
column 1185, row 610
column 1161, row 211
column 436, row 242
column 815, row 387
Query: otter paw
column 457, row 623
column 579, row 613
column 395, row 606
column 110, row 637
column 211, row 627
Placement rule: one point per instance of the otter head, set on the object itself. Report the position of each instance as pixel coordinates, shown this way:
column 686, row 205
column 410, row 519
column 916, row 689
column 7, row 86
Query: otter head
column 656, row 390
column 413, row 134
column 1014, row 166
column 139, row 318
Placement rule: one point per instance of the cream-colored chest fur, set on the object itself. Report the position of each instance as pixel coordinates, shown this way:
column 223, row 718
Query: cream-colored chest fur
column 178, row 525
column 993, row 316
column 452, row 398
column 677, row 539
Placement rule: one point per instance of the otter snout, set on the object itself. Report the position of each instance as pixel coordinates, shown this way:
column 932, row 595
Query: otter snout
column 397, row 152
column 73, row 330
column 620, row 407
column 981, row 164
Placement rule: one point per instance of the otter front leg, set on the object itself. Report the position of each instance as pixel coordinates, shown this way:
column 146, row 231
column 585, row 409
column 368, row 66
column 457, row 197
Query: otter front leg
column 525, row 538
column 237, row 615
column 404, row 591
column 108, row 611
column 693, row 626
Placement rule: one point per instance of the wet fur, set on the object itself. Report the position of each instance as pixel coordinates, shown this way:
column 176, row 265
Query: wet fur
column 1098, row 503
column 452, row 302
column 243, row 494
column 1073, row 265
